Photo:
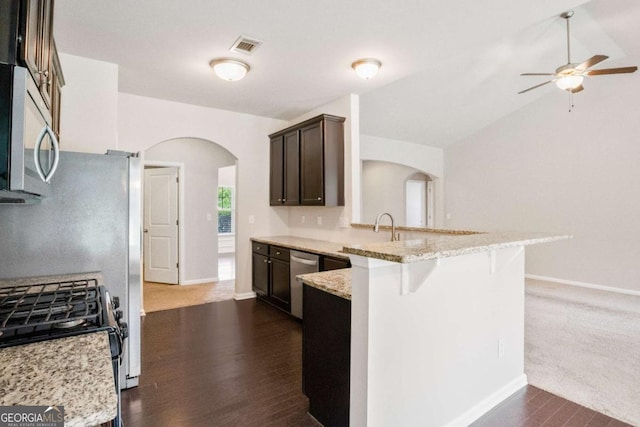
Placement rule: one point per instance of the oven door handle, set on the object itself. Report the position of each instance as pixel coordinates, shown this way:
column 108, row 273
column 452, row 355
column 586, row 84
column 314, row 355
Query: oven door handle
column 46, row 130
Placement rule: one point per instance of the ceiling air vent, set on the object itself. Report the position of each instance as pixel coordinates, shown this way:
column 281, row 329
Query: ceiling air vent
column 245, row 45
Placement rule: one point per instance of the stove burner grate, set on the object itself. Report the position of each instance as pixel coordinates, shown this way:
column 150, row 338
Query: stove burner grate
column 36, row 309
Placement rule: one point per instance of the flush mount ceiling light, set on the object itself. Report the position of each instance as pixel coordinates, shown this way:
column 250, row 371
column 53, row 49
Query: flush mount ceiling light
column 366, row 68
column 229, row 69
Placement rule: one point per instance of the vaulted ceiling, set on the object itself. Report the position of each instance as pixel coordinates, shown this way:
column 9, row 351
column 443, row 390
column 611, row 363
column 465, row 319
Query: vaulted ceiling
column 449, row 68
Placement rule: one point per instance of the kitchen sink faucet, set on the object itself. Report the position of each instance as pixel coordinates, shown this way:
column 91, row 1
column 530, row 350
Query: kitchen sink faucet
column 376, row 226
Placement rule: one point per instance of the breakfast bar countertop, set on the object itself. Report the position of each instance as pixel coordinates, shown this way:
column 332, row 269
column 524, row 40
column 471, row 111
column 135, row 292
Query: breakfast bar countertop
column 74, row 372
column 448, row 245
column 321, row 247
column 336, row 282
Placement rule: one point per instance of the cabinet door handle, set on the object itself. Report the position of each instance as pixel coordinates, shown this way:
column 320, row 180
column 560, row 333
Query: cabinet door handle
column 284, row 200
column 319, row 198
column 278, row 253
column 257, row 248
column 279, row 200
column 266, row 260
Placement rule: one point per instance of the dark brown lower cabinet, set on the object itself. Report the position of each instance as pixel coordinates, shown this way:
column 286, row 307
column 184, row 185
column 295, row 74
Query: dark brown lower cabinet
column 326, row 355
column 329, row 263
column 280, row 285
column 270, row 275
column 261, row 274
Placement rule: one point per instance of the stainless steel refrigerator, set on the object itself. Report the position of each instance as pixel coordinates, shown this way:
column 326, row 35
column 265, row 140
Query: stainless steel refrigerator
column 89, row 222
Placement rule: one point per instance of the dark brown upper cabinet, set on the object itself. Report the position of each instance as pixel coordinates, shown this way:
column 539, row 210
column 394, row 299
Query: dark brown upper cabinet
column 307, row 163
column 285, row 169
column 36, row 43
column 26, row 39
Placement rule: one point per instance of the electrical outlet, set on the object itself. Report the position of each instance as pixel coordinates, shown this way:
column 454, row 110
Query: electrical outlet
column 319, row 220
column 252, row 219
column 302, row 219
column 448, row 215
column 209, row 217
column 344, row 222
column 500, row 348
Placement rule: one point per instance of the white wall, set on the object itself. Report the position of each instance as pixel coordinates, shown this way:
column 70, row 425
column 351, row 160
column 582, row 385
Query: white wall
column 545, row 169
column 89, row 105
column 201, row 160
column 227, row 176
column 429, row 357
column 424, row 158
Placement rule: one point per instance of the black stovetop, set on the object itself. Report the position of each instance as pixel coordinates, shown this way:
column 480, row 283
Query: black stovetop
column 32, row 313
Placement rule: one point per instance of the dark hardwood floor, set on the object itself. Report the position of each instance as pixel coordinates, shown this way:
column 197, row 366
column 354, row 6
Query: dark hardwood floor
column 229, row 363
column 238, row 363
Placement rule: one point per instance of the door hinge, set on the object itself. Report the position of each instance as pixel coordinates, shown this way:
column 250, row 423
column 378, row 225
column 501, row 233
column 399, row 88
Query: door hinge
column 177, row 222
column 177, row 179
column 177, row 265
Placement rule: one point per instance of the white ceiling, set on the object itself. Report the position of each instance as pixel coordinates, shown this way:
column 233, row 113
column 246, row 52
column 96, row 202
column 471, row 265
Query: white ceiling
column 449, row 68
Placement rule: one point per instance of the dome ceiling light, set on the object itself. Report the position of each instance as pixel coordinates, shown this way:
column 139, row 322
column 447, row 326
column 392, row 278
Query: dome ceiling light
column 229, row 69
column 366, row 68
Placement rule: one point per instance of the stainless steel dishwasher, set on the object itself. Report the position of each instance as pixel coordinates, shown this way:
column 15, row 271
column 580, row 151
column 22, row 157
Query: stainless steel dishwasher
column 301, row 263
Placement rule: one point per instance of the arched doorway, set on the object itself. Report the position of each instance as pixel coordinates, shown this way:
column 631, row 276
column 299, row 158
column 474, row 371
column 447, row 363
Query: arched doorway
column 200, row 219
column 405, row 192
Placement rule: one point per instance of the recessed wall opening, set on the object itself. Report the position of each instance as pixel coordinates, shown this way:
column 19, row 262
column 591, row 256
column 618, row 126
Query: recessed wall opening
column 189, row 189
column 408, row 194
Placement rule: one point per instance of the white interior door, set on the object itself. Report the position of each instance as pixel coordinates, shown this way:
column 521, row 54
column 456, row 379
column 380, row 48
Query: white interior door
column 161, row 225
column 415, row 197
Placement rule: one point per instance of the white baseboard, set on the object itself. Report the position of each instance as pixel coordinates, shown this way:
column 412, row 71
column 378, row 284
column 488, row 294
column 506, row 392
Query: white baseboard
column 583, row 285
column 489, row 402
column 245, row 295
column 200, row 281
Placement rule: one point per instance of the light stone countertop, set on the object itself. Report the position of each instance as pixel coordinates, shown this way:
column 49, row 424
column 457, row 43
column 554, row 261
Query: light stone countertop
column 447, row 245
column 416, row 229
column 336, row 282
column 75, row 372
column 321, row 247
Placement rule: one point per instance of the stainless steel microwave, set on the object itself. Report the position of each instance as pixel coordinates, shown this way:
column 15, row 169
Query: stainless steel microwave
column 29, row 150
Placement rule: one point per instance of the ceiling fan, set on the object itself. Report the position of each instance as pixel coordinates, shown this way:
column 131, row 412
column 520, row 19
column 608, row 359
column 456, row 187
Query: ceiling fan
column 569, row 77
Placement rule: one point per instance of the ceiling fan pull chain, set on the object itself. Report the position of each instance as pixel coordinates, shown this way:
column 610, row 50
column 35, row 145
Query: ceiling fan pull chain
column 571, row 101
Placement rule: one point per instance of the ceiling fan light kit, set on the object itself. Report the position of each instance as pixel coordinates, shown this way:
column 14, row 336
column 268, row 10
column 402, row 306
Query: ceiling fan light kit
column 569, row 77
column 569, row 82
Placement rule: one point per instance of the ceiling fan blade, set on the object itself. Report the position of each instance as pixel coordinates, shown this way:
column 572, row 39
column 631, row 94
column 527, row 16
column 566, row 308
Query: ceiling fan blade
column 577, row 89
column 535, row 87
column 537, row 74
column 620, row 70
column 596, row 59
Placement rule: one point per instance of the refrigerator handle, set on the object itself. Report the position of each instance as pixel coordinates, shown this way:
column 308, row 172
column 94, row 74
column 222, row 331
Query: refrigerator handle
column 46, row 130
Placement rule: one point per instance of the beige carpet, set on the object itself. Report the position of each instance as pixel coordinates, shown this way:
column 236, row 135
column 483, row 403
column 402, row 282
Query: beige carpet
column 160, row 296
column 584, row 345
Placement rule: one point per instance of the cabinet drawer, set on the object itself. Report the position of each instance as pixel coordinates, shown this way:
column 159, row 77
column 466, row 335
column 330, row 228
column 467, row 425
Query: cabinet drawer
column 279, row 253
column 260, row 248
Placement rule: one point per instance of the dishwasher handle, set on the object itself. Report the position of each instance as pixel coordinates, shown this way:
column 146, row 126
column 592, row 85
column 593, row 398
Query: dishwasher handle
column 303, row 261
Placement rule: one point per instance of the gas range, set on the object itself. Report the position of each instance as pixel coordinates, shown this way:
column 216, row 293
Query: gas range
column 32, row 313
column 37, row 312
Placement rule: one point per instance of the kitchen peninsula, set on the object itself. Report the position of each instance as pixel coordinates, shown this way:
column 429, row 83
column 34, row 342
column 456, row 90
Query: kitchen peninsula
column 437, row 325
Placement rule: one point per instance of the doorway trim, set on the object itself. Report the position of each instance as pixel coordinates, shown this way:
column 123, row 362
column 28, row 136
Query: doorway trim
column 181, row 233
